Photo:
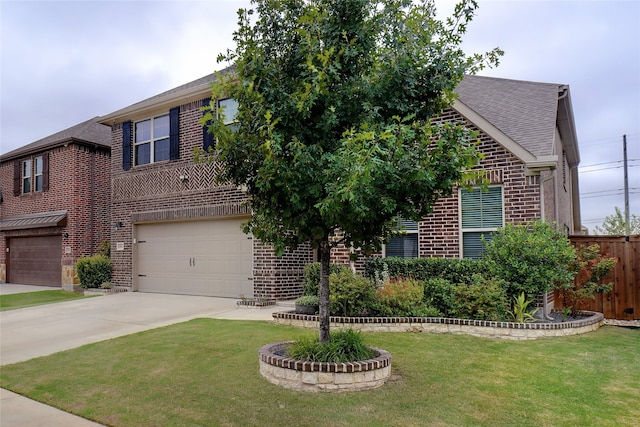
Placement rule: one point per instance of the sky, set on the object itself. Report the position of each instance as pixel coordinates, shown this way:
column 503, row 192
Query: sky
column 64, row 62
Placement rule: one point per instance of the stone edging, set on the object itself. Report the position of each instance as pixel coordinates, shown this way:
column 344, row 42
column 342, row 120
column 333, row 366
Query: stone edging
column 483, row 328
column 320, row 376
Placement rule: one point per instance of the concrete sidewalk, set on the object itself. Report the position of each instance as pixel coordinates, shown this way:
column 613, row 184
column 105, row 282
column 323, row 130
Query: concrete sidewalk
column 46, row 329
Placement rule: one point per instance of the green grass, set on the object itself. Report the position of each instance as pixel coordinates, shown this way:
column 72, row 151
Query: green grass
column 28, row 299
column 205, row 373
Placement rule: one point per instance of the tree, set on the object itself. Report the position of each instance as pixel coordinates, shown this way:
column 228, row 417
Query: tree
column 616, row 224
column 530, row 258
column 333, row 128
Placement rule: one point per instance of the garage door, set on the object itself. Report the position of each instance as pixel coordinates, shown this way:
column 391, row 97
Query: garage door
column 35, row 260
column 213, row 258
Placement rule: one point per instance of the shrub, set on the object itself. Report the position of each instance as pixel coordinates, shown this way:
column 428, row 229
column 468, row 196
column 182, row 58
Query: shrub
column 309, row 300
column 451, row 269
column 530, row 258
column 350, row 295
column 343, row 346
column 483, row 299
column 399, row 297
column 440, row 294
column 93, row 271
column 311, row 284
column 104, row 248
column 590, row 268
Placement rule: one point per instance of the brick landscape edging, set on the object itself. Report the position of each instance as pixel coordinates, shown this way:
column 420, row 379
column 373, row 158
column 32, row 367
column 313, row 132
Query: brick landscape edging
column 322, row 376
column 483, row 328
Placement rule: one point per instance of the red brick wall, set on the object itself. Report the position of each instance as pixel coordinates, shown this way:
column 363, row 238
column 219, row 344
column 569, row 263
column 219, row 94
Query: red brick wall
column 155, row 192
column 79, row 180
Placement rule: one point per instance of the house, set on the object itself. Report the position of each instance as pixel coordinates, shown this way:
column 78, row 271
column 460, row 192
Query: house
column 177, row 231
column 54, row 205
column 529, row 141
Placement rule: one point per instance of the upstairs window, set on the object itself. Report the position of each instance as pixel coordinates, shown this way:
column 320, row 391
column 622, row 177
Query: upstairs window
column 26, row 176
column 229, row 108
column 406, row 245
column 38, row 173
column 151, row 140
column 481, row 213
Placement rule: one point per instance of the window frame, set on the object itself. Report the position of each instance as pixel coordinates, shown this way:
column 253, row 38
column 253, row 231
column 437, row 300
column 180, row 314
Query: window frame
column 227, row 122
column 36, row 175
column 484, row 230
column 152, row 141
column 406, row 232
column 24, row 176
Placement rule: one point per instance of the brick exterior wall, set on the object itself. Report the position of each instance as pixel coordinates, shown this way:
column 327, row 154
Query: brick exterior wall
column 79, row 178
column 439, row 233
column 157, row 193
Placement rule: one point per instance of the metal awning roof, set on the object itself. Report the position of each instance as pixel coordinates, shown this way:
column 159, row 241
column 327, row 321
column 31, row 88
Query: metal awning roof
column 38, row 220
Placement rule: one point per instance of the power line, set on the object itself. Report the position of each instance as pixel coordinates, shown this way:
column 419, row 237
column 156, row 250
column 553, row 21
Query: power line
column 608, row 195
column 607, row 163
column 613, row 167
column 608, row 191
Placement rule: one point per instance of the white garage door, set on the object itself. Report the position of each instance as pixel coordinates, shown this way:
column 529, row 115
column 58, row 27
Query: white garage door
column 213, row 258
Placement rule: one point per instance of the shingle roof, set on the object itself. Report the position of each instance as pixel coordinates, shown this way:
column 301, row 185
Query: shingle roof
column 525, row 111
column 89, row 131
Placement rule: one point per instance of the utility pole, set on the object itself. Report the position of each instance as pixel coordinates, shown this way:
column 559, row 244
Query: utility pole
column 626, row 186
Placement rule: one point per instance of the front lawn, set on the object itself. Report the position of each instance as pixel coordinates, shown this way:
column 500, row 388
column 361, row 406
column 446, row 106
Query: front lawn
column 28, row 299
column 205, row 373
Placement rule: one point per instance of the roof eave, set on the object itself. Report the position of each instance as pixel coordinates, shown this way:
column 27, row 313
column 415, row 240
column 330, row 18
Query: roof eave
column 18, row 153
column 567, row 127
column 148, row 106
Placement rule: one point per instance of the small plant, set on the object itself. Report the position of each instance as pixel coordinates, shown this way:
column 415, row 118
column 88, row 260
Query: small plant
column 93, row 271
column 104, row 248
column 106, row 285
column 308, row 300
column 519, row 312
column 343, row 346
column 565, row 313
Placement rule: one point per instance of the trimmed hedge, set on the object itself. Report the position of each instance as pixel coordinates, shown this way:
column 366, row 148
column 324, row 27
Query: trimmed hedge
column 453, row 270
column 93, row 271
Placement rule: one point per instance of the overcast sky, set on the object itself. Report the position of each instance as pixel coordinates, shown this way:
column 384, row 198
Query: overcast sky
column 65, row 62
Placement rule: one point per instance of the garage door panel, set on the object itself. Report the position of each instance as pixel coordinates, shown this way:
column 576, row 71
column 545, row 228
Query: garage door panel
column 195, row 258
column 35, row 260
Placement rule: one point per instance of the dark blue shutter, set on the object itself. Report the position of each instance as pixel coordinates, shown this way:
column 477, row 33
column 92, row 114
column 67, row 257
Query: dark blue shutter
column 45, row 172
column 174, row 133
column 126, row 145
column 17, row 177
column 207, row 137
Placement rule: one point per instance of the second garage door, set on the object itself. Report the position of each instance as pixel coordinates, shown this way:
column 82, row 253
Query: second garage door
column 35, row 260
column 212, row 258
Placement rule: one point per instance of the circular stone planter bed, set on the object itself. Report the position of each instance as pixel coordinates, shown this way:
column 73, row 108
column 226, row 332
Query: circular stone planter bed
column 481, row 328
column 322, row 376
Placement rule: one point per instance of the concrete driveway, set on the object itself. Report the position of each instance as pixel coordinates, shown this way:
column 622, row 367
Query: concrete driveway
column 46, row 329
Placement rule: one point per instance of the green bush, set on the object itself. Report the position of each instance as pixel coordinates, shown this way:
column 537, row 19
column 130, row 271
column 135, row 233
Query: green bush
column 93, row 271
column 399, row 297
column 483, row 299
column 440, row 294
column 343, row 346
column 308, row 300
column 350, row 295
column 452, row 269
column 104, row 248
column 311, row 284
column 530, row 258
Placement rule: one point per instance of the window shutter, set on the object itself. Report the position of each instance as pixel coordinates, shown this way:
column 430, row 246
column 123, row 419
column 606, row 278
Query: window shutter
column 126, row 145
column 45, row 172
column 482, row 209
column 174, row 133
column 207, row 137
column 17, row 175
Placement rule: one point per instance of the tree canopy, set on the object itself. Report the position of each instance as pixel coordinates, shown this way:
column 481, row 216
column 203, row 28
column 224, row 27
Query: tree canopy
column 334, row 137
column 615, row 224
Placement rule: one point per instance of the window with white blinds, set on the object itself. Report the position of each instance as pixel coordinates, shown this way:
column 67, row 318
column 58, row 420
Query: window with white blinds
column 406, row 245
column 481, row 213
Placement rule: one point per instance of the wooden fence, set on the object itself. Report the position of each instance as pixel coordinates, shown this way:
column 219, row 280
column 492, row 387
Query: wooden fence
column 623, row 302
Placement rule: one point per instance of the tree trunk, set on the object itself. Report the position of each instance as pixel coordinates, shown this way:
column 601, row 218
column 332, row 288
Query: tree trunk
column 325, row 258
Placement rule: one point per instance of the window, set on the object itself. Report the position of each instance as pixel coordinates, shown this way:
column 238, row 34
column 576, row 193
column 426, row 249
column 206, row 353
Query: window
column 38, row 176
column 481, row 213
column 406, row 245
column 26, row 176
column 229, row 107
column 151, row 140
